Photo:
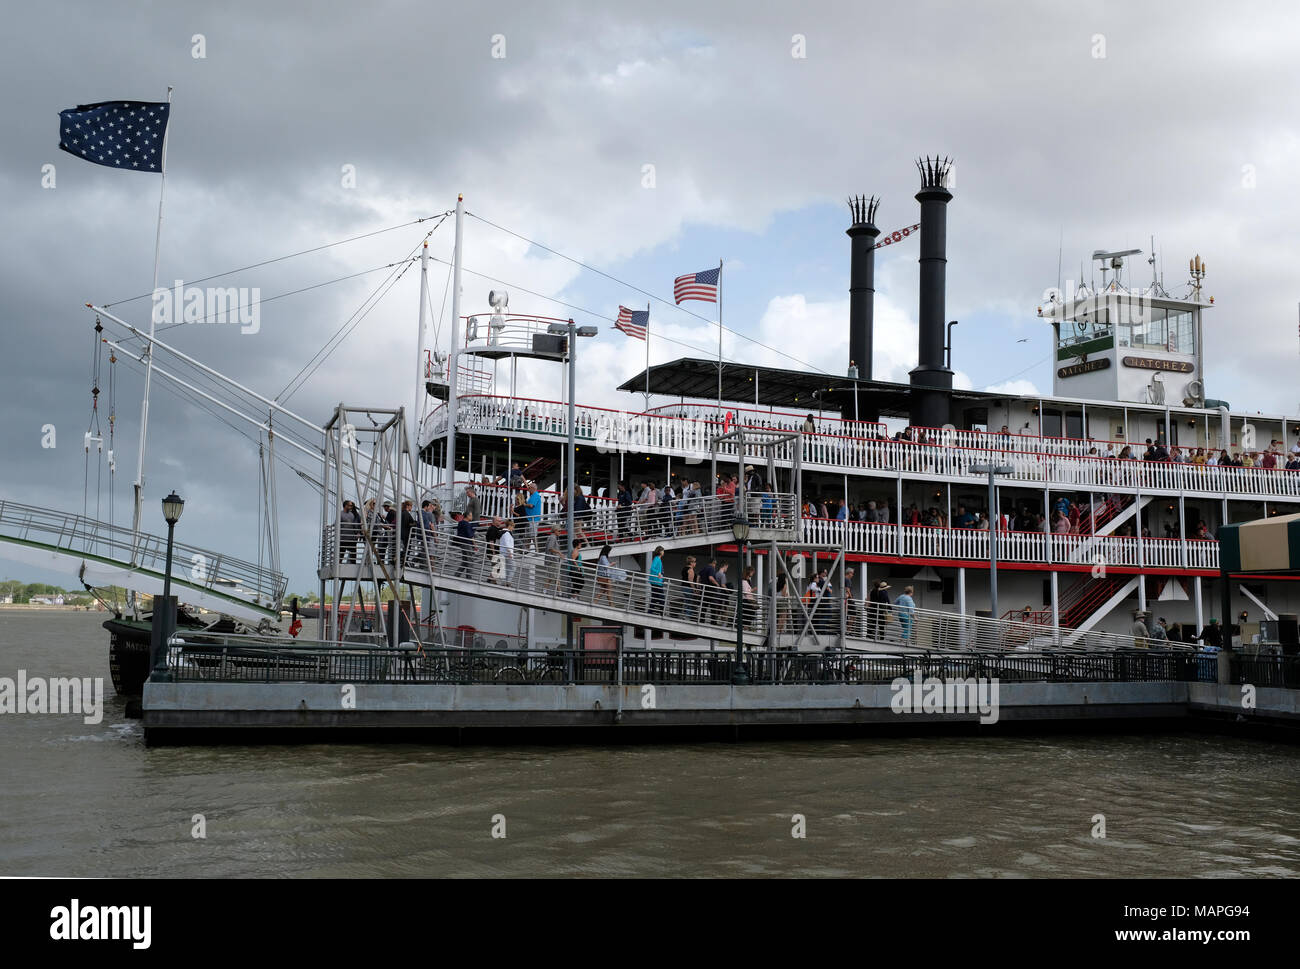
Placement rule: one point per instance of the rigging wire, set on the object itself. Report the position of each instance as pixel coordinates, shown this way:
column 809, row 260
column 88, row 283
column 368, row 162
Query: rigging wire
column 292, row 255
column 93, row 430
column 317, row 359
column 559, row 302
column 112, row 422
column 207, row 406
column 266, row 299
column 340, row 335
column 1018, row 372
column 643, row 292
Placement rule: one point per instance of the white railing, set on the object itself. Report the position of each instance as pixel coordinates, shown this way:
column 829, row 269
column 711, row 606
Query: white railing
column 603, row 519
column 972, row 544
column 196, row 567
column 771, row 420
column 690, row 437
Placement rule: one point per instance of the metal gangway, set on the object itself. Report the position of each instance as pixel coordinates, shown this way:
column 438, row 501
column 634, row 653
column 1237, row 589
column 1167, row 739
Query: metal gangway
column 682, row 523
column 532, row 578
column 102, row 554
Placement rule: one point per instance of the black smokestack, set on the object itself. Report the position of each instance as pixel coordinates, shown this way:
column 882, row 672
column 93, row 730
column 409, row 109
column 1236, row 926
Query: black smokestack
column 932, row 380
column 862, row 282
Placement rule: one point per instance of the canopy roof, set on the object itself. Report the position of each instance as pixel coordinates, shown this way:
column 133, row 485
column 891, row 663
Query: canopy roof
column 776, row 387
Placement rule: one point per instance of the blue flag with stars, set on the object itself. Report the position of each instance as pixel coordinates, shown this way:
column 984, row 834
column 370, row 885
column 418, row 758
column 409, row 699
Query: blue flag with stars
column 117, row 134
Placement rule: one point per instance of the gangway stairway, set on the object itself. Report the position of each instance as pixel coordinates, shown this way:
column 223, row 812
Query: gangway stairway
column 704, row 520
column 533, row 579
column 100, row 554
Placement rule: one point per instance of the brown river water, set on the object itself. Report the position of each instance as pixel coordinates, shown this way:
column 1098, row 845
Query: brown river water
column 93, row 800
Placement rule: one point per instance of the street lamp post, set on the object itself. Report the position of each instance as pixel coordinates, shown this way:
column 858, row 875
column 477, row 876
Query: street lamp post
column 740, row 531
column 995, row 521
column 164, row 622
column 571, row 331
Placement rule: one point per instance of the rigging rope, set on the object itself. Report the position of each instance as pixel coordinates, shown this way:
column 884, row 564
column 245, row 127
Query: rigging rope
column 350, row 324
column 93, row 429
column 660, row 299
column 292, row 255
column 559, row 302
column 266, row 299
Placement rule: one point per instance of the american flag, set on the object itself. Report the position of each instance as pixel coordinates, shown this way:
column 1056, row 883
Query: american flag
column 116, row 134
column 634, row 323
column 702, row 286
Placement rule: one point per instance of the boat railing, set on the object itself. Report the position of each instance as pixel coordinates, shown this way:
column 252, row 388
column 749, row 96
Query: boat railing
column 410, row 664
column 972, row 544
column 79, row 534
column 1043, row 463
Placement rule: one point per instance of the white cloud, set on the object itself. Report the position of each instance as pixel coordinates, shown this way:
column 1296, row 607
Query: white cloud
column 1017, row 387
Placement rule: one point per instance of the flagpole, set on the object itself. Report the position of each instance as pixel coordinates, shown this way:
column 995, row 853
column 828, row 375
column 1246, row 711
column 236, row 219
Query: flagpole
column 148, row 366
column 647, row 357
column 719, row 340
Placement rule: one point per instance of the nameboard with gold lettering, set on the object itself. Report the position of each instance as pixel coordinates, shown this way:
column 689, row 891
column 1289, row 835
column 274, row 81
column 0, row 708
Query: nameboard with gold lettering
column 1075, row 369
column 1155, row 363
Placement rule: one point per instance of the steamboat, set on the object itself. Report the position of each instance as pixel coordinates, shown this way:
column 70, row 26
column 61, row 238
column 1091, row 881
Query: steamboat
column 744, row 528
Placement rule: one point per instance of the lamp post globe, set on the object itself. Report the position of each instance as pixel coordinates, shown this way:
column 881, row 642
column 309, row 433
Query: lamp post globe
column 165, row 618
column 173, row 505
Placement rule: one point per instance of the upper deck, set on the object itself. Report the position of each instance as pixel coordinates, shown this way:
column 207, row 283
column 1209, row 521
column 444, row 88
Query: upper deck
column 862, row 448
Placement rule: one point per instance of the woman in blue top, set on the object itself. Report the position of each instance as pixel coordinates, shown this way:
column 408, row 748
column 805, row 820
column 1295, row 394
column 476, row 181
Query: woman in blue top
column 657, row 581
column 905, row 605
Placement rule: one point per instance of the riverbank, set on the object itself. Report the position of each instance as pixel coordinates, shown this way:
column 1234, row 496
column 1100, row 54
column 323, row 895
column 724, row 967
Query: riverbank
column 42, row 607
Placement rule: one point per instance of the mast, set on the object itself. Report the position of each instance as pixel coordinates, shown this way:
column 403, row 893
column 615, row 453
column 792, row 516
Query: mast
column 417, row 413
column 453, row 361
column 148, row 364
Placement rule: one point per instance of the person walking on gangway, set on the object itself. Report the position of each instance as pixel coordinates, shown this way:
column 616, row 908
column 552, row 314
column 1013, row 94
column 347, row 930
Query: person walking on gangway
column 657, row 581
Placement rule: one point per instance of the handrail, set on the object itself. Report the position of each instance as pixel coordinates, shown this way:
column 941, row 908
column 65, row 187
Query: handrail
column 221, row 662
column 972, row 544
column 843, row 452
column 641, row 598
column 196, row 566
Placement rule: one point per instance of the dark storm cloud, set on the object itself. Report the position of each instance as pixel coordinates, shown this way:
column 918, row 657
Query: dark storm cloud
column 1152, row 137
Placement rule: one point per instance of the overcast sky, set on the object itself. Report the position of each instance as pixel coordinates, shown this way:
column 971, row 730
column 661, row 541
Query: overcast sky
column 1081, row 126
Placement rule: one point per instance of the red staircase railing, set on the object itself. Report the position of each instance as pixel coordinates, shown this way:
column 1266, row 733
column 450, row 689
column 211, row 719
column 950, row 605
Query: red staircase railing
column 1110, row 508
column 1085, row 597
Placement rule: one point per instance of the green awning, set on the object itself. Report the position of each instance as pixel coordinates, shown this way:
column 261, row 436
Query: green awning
column 1266, row 545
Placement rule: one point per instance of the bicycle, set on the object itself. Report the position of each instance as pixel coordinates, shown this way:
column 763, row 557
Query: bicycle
column 547, row 670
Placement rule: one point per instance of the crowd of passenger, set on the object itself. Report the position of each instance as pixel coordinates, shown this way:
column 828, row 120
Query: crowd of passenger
column 1274, row 456
column 1067, row 516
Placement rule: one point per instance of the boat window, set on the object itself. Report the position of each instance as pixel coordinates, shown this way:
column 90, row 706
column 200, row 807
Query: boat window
column 1170, row 330
column 1074, row 424
column 1051, row 423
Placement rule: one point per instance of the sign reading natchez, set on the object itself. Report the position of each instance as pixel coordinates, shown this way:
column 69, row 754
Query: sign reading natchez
column 1086, row 367
column 1155, row 363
